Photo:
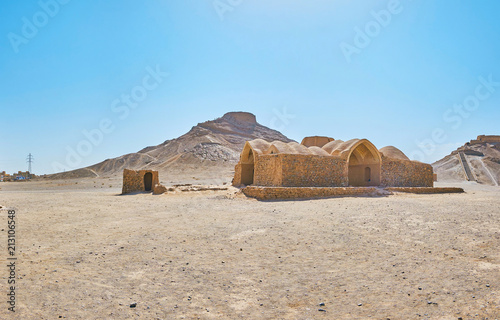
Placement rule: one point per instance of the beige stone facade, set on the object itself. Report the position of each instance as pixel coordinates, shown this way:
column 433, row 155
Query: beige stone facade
column 329, row 163
column 139, row 180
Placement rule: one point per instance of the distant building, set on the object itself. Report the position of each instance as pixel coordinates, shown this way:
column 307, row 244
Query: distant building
column 4, row 176
column 22, row 175
column 486, row 139
column 139, row 180
column 16, row 176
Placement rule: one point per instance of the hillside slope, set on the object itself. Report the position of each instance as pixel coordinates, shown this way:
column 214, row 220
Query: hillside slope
column 211, row 144
column 482, row 156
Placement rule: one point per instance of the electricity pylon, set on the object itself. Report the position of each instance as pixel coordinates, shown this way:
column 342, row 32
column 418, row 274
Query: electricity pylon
column 29, row 159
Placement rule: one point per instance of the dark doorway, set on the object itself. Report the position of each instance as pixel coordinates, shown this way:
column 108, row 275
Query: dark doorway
column 148, row 181
column 368, row 174
column 247, row 174
column 247, row 169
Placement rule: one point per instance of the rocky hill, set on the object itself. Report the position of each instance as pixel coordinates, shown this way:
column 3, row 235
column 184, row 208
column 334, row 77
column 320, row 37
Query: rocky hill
column 477, row 160
column 216, row 143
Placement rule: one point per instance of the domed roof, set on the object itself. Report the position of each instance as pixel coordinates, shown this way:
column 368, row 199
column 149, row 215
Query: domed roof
column 344, row 148
column 333, row 145
column 335, row 148
column 258, row 145
column 318, row 151
column 393, row 152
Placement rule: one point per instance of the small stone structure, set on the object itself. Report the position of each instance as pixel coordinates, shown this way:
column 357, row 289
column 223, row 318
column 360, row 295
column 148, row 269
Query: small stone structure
column 139, row 180
column 325, row 162
column 485, row 139
column 159, row 189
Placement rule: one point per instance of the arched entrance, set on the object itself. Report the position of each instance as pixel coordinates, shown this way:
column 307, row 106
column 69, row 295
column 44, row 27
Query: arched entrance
column 247, row 163
column 247, row 167
column 148, row 181
column 364, row 165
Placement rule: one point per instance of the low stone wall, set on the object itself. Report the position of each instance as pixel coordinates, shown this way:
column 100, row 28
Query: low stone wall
column 426, row 190
column 280, row 193
column 284, row 193
column 237, row 175
column 404, row 173
column 133, row 180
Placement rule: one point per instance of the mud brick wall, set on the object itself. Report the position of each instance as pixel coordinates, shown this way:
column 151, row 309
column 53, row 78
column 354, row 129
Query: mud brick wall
column 237, row 175
column 313, row 171
column 404, row 173
column 268, row 170
column 277, row 193
column 133, row 180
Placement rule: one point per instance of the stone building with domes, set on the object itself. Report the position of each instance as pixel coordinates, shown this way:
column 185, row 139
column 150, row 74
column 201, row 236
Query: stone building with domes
column 325, row 162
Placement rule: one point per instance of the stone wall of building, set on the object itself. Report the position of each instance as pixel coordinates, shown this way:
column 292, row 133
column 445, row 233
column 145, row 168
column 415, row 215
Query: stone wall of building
column 312, row 171
column 268, row 170
column 133, row 180
column 237, row 175
column 404, row 173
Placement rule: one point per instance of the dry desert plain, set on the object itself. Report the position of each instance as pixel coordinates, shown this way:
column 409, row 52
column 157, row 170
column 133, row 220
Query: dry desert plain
column 86, row 252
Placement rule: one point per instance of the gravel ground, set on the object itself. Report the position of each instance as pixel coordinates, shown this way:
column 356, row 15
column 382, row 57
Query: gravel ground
column 86, row 252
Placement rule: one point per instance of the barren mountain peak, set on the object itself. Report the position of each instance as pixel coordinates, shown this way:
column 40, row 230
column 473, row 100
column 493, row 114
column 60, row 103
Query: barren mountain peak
column 477, row 160
column 215, row 144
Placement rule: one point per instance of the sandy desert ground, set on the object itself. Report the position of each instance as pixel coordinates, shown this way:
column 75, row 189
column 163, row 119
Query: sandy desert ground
column 86, row 252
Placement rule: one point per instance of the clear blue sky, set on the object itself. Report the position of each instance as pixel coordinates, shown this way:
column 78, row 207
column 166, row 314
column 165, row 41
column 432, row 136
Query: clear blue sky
column 395, row 72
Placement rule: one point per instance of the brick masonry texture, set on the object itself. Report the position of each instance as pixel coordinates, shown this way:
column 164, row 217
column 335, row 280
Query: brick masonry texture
column 404, row 173
column 268, row 170
column 313, row 171
column 292, row 170
column 237, row 175
column 133, row 180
